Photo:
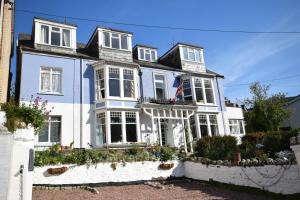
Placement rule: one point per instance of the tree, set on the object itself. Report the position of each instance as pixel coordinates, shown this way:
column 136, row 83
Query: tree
column 264, row 113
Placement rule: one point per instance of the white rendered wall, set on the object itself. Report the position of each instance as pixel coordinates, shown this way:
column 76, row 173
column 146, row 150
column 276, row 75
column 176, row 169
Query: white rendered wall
column 103, row 173
column 286, row 180
column 234, row 113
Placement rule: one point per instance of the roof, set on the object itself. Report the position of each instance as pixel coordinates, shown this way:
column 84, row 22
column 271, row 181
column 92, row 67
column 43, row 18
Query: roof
column 165, row 67
column 180, row 43
column 292, row 99
column 55, row 21
column 116, row 30
column 143, row 45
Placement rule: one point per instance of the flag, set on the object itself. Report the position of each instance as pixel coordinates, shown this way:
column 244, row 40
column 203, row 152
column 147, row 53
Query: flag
column 179, row 90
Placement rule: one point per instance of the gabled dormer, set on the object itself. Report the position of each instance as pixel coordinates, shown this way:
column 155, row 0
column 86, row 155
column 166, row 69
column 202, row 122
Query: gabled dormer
column 54, row 35
column 144, row 53
column 186, row 57
column 111, row 44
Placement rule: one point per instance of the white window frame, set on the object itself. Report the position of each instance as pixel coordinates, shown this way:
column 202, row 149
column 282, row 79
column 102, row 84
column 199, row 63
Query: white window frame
column 165, row 84
column 48, row 143
column 106, row 83
column 144, row 54
column 236, row 122
column 191, row 87
column 61, row 35
column 98, row 87
column 51, row 73
column 194, row 51
column 208, row 123
column 119, row 37
column 203, row 90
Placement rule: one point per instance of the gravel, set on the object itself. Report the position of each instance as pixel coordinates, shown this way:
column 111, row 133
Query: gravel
column 179, row 190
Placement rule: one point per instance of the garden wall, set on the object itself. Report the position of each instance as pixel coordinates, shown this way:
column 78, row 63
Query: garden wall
column 103, row 173
column 277, row 179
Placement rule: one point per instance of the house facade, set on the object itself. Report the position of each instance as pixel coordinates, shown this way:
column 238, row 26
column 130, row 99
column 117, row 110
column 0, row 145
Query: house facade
column 107, row 93
column 6, row 45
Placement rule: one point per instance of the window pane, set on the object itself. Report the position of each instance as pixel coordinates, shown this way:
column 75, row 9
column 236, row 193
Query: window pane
column 191, row 55
column 43, row 134
column 66, row 37
column 147, row 55
column 160, row 94
column 185, row 53
column 56, row 83
column 45, row 81
column 209, row 96
column 214, row 130
column 124, row 44
column 115, row 117
column 241, row 126
column 204, row 130
column 114, row 73
column 207, row 84
column 128, row 88
column 153, row 56
column 128, row 74
column 199, row 95
column 142, row 54
column 44, row 34
column 193, row 127
column 116, row 132
column 106, row 39
column 100, row 129
column 55, row 38
column 213, row 119
column 131, row 133
column 197, row 55
column 114, row 87
column 55, row 132
column 115, row 41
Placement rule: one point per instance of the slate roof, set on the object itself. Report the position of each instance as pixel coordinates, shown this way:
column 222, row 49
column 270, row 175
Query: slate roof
column 143, row 45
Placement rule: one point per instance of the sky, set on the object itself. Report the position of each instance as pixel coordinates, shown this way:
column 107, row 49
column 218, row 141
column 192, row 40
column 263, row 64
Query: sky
column 242, row 58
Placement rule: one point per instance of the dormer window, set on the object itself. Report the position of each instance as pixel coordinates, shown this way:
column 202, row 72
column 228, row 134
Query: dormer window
column 52, row 35
column 115, row 40
column 147, row 54
column 191, row 54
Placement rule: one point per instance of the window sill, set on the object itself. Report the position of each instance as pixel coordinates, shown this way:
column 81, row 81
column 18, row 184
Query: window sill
column 50, row 93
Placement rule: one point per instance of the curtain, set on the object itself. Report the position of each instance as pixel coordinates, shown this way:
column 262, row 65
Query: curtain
column 66, row 38
column 45, row 82
column 56, row 83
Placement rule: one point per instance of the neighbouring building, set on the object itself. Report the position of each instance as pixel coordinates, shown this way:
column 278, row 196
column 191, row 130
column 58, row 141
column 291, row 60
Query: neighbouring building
column 6, row 45
column 108, row 93
column 293, row 122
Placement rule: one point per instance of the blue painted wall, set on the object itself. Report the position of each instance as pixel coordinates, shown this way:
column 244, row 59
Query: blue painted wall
column 31, row 64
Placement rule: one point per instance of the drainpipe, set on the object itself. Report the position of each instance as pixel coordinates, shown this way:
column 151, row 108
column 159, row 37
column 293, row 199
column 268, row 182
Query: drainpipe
column 221, row 106
column 81, row 103
column 141, row 83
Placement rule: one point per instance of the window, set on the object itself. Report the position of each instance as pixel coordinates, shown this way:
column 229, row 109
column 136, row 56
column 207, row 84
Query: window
column 191, row 54
column 160, row 87
column 114, row 82
column 213, row 125
column 203, row 125
column 51, row 131
column 130, row 127
column 147, row 54
column 44, row 34
column 187, row 91
column 100, row 89
column 128, row 83
column 116, row 126
column 55, row 36
column 51, row 80
column 209, row 91
column 100, row 128
column 199, row 90
column 236, row 126
column 193, row 127
column 115, row 40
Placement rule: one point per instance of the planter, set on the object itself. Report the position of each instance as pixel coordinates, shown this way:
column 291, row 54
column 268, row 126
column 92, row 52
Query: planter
column 166, row 166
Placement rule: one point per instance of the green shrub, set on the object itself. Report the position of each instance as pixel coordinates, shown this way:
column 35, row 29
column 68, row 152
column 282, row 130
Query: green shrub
column 217, row 147
column 167, row 153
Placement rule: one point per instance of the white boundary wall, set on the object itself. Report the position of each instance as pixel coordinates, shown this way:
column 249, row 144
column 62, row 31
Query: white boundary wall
column 277, row 179
column 103, row 173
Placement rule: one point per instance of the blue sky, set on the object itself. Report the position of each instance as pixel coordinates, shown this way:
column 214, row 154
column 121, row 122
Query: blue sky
column 241, row 58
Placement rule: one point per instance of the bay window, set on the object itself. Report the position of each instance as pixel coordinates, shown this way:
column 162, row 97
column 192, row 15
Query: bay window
column 51, row 131
column 213, row 125
column 160, row 86
column 100, row 128
column 116, row 126
column 203, row 125
column 236, row 126
column 114, row 82
column 57, row 36
column 191, row 54
column 204, row 93
column 131, row 134
column 115, row 40
column 51, row 80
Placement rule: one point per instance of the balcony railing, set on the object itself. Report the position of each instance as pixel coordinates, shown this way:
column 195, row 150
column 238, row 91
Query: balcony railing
column 142, row 100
